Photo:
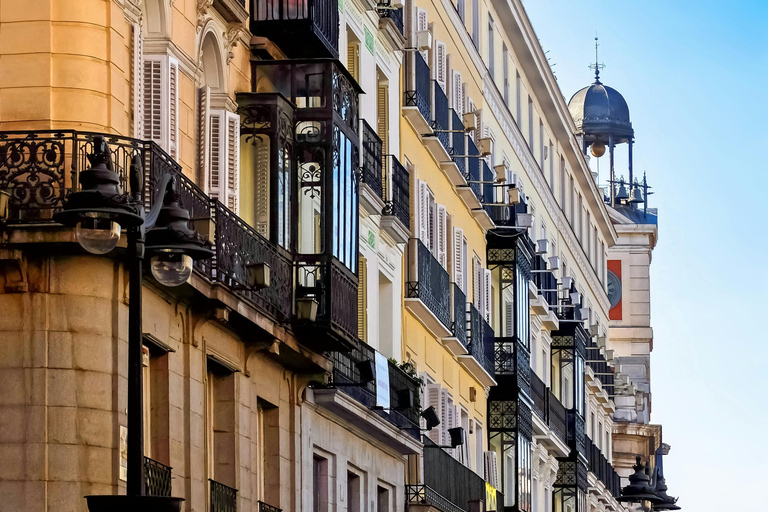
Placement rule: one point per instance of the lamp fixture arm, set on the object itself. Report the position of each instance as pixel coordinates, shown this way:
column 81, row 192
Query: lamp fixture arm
column 136, row 177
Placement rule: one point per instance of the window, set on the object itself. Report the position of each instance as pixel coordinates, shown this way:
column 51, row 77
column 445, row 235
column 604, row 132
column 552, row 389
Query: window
column 580, row 223
column 353, row 492
column 476, row 23
column 518, row 92
column 505, row 68
column 530, row 123
column 353, row 55
column 491, row 56
column 461, row 9
column 320, row 483
column 459, row 258
column 156, row 404
column 382, row 111
column 551, row 167
column 160, row 101
column 268, row 425
column 224, row 157
column 600, row 434
column 382, row 496
column 221, row 422
column 562, row 184
column 572, row 188
column 440, row 64
column 541, row 146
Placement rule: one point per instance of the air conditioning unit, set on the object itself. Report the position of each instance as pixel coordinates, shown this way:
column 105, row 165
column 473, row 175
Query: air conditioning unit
column 514, row 195
column 501, row 172
column 542, row 246
column 484, row 145
column 396, row 4
column 468, row 119
column 584, row 313
column 524, row 220
column 608, row 355
column 575, row 297
column 594, row 330
column 554, row 262
column 601, row 341
column 423, row 40
column 567, row 282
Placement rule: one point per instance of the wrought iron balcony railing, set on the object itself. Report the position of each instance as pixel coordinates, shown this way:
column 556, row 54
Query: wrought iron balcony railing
column 481, row 341
column 441, row 115
column 302, row 28
column 396, row 15
column 458, row 138
column 459, row 314
column 599, row 365
column 545, row 281
column 488, row 177
column 371, row 170
column 265, row 507
column 602, row 469
column 540, row 396
column 473, row 169
column 345, row 371
column 157, row 478
column 223, row 497
column 421, row 96
column 428, row 281
column 40, row 168
column 397, row 191
column 557, row 417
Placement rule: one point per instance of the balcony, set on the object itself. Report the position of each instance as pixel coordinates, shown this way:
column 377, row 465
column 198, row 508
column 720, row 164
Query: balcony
column 371, row 179
column 391, row 24
column 602, row 469
column 457, row 342
column 157, row 478
column 438, row 143
column 557, row 417
column 512, row 366
column 480, row 360
column 482, row 215
column 223, row 498
column 428, row 290
column 545, row 282
column 233, row 11
column 448, row 485
column 540, row 396
column 417, row 106
column 265, row 507
column 301, row 28
column 471, row 192
column 396, row 219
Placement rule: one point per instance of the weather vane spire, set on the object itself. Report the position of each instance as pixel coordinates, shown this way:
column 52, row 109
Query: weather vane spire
column 597, row 66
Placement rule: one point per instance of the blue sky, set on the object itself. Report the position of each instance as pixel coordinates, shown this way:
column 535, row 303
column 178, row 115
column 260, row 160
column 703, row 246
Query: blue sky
column 695, row 76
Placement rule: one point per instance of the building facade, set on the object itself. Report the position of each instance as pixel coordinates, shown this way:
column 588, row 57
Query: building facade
column 409, row 304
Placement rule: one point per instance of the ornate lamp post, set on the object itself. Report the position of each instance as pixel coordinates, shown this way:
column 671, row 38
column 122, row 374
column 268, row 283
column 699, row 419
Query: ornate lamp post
column 640, row 490
column 99, row 211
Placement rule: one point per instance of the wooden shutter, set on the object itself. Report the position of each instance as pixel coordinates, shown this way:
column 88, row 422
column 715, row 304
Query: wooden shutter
column 432, row 212
column 173, row 107
column 216, row 173
column 442, row 235
column 448, row 419
column 509, row 319
column 457, row 96
column 464, row 264
column 440, row 63
column 233, row 161
column 353, row 59
column 137, row 85
column 382, row 116
column 362, row 300
column 203, row 149
column 152, row 107
column 492, row 469
column 421, row 23
column 458, row 258
column 476, row 283
column 487, row 294
column 435, row 399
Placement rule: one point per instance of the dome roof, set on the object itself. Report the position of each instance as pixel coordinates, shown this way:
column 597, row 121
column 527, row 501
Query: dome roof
column 599, row 110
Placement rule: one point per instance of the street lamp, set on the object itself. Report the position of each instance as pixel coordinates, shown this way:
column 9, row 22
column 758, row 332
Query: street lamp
column 639, row 489
column 99, row 212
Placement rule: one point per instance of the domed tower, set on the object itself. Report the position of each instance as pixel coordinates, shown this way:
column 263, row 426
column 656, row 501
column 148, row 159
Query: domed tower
column 602, row 119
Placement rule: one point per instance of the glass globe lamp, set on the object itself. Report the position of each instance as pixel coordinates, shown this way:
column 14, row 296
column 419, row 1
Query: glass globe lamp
column 171, row 268
column 97, row 234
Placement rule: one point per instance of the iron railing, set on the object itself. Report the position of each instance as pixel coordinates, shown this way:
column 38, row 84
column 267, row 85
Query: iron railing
column 396, row 15
column 602, row 469
column 545, row 281
column 40, row 169
column 345, row 371
column 599, row 365
column 458, row 138
column 449, row 478
column 424, row 495
column 397, row 192
column 441, row 115
column 265, row 507
column 371, row 171
column 473, row 169
column 488, row 178
column 289, row 17
column 459, row 314
column 540, row 397
column 223, row 497
column 557, row 413
column 481, row 340
column 333, row 287
column 157, row 478
column 420, row 97
column 428, row 281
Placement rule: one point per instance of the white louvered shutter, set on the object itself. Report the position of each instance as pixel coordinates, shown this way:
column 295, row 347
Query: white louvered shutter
column 152, row 108
column 458, row 260
column 457, row 96
column 203, row 149
column 509, row 319
column 441, row 63
column 137, row 72
column 423, row 212
column 233, row 161
column 442, row 236
column 487, row 294
column 449, row 413
column 465, row 264
column 434, row 399
column 477, row 283
column 173, row 107
column 492, row 469
column 421, row 23
column 216, row 137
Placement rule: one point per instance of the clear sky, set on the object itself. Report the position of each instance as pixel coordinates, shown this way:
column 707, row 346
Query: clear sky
column 695, row 76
